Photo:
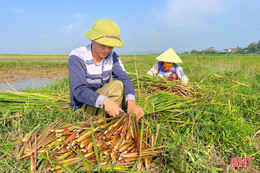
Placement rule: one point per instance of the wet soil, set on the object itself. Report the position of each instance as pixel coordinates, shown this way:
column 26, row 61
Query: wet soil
column 20, row 75
column 12, row 75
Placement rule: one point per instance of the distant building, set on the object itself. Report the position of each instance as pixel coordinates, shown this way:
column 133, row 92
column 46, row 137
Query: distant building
column 225, row 50
column 232, row 50
column 210, row 49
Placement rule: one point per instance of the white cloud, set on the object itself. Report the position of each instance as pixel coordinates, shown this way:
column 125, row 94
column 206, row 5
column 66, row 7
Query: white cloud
column 80, row 15
column 72, row 26
column 76, row 27
column 188, row 11
column 18, row 10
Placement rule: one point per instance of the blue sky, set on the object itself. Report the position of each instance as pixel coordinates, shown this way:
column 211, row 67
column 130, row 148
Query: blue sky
column 58, row 26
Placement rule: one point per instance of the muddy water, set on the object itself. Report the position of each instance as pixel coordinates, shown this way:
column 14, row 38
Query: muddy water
column 25, row 84
column 22, row 79
column 16, row 79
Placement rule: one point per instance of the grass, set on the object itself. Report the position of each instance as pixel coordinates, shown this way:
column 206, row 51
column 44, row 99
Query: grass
column 33, row 57
column 202, row 133
column 31, row 64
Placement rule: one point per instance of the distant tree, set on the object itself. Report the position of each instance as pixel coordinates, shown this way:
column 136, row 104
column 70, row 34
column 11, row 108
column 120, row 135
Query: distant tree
column 186, row 52
column 240, row 50
column 201, row 52
column 258, row 45
column 193, row 51
column 252, row 47
column 225, row 50
column 210, row 50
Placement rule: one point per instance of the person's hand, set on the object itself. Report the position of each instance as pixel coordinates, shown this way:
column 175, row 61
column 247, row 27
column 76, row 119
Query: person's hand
column 173, row 76
column 111, row 107
column 132, row 107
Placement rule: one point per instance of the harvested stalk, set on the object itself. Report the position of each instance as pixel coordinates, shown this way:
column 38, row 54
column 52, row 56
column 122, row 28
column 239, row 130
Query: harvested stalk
column 116, row 143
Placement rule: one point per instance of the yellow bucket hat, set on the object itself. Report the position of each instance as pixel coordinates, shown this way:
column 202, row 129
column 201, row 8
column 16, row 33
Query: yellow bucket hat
column 169, row 56
column 105, row 32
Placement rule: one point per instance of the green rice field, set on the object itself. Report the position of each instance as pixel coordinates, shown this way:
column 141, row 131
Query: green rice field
column 218, row 120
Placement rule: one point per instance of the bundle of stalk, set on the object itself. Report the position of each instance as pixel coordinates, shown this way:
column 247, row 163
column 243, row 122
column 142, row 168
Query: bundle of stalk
column 106, row 143
column 181, row 90
column 152, row 84
column 10, row 100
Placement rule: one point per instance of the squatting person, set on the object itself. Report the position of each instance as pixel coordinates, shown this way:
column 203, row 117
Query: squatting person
column 98, row 81
column 167, row 67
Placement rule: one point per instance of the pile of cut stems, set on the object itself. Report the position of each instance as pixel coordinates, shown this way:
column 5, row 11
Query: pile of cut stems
column 178, row 89
column 10, row 100
column 107, row 143
column 153, row 84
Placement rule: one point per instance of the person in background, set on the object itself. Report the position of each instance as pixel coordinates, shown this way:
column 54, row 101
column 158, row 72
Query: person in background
column 167, row 67
column 91, row 68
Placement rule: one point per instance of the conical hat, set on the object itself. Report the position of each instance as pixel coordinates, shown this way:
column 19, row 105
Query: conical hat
column 169, row 56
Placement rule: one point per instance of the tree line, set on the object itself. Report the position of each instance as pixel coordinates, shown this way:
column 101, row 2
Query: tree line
column 252, row 48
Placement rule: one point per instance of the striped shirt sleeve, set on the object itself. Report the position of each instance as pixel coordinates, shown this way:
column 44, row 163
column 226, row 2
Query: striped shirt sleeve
column 119, row 73
column 78, row 84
